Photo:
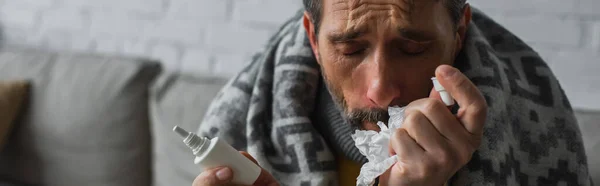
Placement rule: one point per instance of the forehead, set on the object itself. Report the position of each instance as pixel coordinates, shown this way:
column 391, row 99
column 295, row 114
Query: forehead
column 357, row 14
column 350, row 8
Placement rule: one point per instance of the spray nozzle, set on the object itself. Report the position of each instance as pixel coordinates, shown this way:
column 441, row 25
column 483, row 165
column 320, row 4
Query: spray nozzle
column 182, row 132
column 446, row 97
column 196, row 143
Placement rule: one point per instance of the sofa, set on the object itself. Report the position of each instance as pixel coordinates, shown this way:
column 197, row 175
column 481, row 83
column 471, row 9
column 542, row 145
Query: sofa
column 98, row 120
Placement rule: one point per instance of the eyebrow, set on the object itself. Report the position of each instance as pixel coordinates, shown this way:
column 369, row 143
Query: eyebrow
column 340, row 37
column 414, row 34
column 407, row 33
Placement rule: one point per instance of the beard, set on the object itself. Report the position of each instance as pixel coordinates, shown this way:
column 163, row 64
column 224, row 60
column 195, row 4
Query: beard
column 355, row 117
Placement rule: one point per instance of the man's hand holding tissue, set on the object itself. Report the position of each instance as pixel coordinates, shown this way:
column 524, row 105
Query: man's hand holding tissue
column 433, row 144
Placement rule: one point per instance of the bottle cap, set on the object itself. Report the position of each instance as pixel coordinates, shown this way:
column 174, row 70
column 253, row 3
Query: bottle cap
column 436, row 85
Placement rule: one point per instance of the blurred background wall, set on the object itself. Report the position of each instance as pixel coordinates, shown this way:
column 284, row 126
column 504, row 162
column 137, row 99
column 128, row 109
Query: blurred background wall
column 217, row 36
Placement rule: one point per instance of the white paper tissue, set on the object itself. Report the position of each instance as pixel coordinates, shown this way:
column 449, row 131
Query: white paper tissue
column 375, row 146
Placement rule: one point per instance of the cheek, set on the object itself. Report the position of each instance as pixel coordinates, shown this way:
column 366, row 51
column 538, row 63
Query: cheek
column 417, row 76
column 449, row 52
column 358, row 85
column 347, row 78
column 448, row 48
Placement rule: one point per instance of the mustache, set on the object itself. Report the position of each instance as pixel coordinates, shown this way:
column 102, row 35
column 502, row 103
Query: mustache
column 357, row 116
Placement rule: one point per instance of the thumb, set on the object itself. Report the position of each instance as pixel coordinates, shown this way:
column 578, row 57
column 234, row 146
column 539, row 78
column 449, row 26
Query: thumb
column 249, row 156
column 264, row 178
column 214, row 177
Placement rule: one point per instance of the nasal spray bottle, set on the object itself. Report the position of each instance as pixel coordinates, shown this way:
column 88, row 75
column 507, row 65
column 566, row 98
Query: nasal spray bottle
column 211, row 153
column 446, row 97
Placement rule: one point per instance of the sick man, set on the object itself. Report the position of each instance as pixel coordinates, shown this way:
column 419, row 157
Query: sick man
column 339, row 64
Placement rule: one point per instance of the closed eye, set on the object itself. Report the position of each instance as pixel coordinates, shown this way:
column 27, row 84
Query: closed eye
column 352, row 48
column 355, row 52
column 414, row 52
column 414, row 48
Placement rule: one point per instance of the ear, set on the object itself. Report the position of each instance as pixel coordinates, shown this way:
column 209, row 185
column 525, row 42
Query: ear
column 462, row 26
column 312, row 37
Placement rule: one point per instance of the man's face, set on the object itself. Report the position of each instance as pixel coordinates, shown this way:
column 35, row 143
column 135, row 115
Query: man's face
column 380, row 53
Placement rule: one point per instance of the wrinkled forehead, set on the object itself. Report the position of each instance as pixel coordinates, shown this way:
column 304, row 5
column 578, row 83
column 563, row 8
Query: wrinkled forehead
column 356, row 14
column 350, row 8
column 347, row 19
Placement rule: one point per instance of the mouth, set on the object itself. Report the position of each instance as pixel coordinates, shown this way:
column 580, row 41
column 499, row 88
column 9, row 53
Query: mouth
column 366, row 119
column 367, row 125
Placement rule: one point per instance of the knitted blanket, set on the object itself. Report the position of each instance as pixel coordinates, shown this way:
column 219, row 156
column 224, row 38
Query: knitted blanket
column 531, row 136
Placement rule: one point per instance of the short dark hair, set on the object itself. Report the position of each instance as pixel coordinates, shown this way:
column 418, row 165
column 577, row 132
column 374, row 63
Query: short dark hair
column 314, row 9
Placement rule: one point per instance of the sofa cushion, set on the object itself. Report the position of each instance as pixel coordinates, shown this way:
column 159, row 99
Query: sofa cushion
column 87, row 120
column 12, row 96
column 178, row 100
column 589, row 123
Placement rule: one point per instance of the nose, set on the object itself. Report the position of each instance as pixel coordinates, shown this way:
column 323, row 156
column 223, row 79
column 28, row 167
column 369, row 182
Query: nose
column 383, row 91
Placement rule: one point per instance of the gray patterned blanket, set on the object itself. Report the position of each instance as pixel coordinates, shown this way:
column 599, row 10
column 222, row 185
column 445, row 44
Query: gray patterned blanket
column 531, row 136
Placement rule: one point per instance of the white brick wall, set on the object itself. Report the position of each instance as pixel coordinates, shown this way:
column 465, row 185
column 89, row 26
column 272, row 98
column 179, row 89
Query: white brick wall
column 13, row 16
column 218, row 36
column 64, row 19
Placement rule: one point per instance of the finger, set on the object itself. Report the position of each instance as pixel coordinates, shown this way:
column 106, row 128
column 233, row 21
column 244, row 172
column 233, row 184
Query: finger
column 423, row 132
column 435, row 94
column 266, row 179
column 473, row 108
column 442, row 120
column 249, row 156
column 404, row 146
column 214, row 177
column 384, row 179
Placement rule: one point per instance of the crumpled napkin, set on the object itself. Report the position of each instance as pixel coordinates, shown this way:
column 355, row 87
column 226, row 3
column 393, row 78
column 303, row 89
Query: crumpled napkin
column 375, row 146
